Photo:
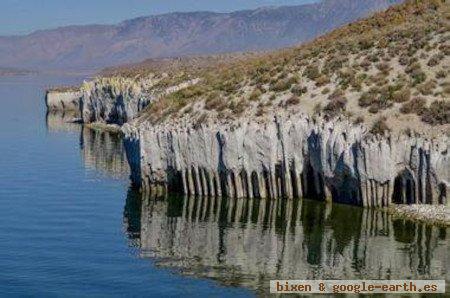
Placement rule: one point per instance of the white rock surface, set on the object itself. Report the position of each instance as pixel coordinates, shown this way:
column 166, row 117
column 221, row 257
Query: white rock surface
column 287, row 157
column 63, row 101
column 113, row 100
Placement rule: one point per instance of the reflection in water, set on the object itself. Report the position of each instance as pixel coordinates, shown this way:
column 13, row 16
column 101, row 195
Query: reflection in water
column 249, row 241
column 104, row 152
column 101, row 150
column 62, row 122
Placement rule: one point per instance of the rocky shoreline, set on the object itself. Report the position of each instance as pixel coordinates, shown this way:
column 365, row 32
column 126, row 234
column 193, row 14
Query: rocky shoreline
column 284, row 156
column 426, row 213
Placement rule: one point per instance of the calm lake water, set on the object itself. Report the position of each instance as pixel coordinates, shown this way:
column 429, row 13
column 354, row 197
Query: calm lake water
column 71, row 226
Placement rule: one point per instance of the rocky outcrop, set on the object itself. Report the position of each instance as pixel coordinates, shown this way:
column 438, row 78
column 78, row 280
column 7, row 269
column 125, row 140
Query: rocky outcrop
column 62, row 100
column 289, row 157
column 114, row 100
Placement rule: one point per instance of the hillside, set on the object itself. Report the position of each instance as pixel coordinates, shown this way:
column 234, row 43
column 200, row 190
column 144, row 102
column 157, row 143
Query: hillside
column 176, row 34
column 389, row 71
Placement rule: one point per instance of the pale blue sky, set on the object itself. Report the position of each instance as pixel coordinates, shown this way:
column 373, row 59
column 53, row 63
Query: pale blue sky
column 24, row 16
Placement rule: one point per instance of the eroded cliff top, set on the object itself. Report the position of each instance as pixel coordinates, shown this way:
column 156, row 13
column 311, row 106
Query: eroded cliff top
column 390, row 71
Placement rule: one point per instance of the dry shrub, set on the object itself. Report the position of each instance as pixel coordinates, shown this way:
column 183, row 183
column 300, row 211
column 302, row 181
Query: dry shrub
column 215, row 102
column 255, row 95
column 402, row 95
column 358, row 120
column 238, row 107
column 435, row 59
column 427, row 88
column 292, row 101
column 322, row 80
column 368, row 98
column 414, row 106
column 441, row 74
column 312, row 72
column 380, row 127
column 284, row 84
column 299, row 90
column 383, row 67
column 335, row 107
column 438, row 113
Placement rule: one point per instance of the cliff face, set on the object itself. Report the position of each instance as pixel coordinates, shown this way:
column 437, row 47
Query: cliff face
column 113, row 100
column 290, row 157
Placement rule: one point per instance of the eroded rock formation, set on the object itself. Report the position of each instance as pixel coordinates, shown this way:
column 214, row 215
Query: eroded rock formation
column 63, row 100
column 289, row 157
column 114, row 100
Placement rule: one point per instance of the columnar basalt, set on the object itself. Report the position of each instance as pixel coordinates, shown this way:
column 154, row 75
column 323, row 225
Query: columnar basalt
column 289, row 157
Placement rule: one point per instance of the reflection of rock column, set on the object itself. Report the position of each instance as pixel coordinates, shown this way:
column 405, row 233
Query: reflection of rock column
column 62, row 121
column 103, row 151
column 254, row 239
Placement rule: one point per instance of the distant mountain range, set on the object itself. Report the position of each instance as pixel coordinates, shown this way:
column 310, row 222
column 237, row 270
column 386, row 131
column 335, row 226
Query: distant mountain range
column 92, row 47
column 8, row 71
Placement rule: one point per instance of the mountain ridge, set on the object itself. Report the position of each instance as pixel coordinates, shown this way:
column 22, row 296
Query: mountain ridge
column 179, row 34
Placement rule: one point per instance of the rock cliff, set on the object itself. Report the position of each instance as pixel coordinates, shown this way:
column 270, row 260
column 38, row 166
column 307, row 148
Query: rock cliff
column 111, row 100
column 289, row 157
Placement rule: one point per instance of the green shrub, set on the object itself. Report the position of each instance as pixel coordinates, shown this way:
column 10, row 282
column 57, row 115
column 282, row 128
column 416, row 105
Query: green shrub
column 418, row 77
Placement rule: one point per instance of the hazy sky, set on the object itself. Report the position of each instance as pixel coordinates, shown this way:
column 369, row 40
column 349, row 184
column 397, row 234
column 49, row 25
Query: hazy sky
column 24, row 16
